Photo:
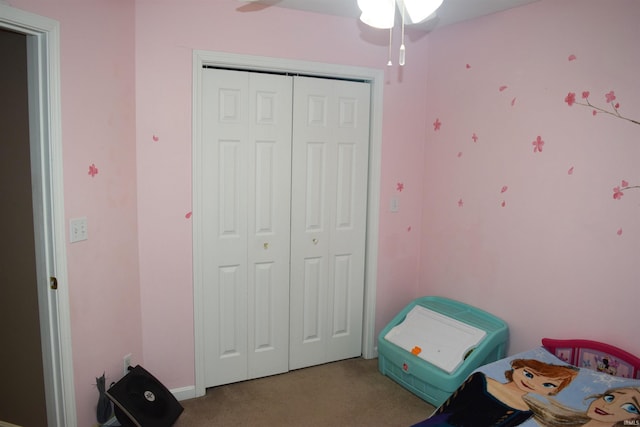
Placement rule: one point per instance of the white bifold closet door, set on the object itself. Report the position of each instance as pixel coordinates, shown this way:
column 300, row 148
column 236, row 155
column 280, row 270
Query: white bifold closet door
column 328, row 219
column 247, row 182
column 284, row 220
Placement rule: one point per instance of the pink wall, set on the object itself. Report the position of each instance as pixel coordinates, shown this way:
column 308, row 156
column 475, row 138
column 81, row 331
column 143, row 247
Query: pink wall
column 126, row 95
column 98, row 127
column 166, row 33
column 560, row 258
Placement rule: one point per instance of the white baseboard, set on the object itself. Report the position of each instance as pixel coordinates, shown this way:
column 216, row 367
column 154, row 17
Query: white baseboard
column 374, row 354
column 184, row 393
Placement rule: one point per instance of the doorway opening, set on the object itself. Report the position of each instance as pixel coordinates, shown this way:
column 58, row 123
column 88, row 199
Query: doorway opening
column 44, row 123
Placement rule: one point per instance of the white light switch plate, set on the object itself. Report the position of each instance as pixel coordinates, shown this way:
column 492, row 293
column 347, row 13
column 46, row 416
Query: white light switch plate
column 394, row 205
column 78, row 229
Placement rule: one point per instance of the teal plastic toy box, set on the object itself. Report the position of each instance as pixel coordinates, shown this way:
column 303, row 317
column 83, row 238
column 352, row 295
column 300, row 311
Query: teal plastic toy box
column 451, row 339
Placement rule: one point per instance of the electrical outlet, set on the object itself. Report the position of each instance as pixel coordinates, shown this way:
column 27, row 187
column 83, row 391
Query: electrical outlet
column 78, row 229
column 126, row 363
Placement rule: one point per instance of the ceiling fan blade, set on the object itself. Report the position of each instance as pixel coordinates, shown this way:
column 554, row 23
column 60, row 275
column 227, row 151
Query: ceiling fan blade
column 256, row 5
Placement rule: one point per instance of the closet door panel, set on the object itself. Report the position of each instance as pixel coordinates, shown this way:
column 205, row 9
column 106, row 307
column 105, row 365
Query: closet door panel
column 340, row 297
column 230, row 181
column 265, row 183
column 270, row 111
column 348, row 224
column 312, row 300
column 231, row 331
column 224, row 225
column 284, row 213
column 315, row 206
column 329, row 171
column 247, row 150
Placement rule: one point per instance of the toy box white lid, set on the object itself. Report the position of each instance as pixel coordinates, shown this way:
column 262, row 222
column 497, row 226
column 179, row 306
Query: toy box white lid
column 436, row 338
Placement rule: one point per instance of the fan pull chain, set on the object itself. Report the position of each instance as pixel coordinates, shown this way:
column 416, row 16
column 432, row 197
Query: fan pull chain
column 402, row 49
column 389, row 63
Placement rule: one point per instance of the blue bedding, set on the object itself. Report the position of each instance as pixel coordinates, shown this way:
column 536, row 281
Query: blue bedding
column 535, row 388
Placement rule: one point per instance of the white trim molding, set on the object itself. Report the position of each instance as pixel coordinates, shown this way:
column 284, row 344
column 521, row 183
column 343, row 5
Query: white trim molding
column 375, row 77
column 184, row 393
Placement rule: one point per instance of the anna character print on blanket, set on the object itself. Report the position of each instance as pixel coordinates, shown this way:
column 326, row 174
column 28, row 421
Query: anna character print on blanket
column 535, row 388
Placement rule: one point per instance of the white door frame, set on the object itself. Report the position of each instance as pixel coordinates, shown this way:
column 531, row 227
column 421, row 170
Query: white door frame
column 258, row 63
column 43, row 57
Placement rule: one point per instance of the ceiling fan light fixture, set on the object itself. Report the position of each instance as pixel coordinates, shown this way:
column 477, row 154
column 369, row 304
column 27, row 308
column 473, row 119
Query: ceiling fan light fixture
column 378, row 13
column 382, row 14
column 419, row 10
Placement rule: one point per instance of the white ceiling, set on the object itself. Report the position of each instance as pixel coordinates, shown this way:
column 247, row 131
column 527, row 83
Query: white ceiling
column 450, row 12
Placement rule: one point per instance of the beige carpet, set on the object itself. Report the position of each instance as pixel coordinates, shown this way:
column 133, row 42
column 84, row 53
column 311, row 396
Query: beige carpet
column 346, row 393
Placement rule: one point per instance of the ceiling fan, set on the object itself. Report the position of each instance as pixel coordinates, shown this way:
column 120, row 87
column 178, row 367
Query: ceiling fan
column 381, row 14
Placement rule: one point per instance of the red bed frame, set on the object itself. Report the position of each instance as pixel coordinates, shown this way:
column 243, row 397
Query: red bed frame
column 596, row 356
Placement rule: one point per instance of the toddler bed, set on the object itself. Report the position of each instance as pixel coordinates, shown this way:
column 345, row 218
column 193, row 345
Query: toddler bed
column 561, row 383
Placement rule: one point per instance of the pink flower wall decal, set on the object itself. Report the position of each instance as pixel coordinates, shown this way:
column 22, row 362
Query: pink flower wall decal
column 460, row 203
column 502, row 191
column 468, row 66
column 437, row 124
column 572, row 57
column 155, row 138
column 570, row 98
column 474, row 137
column 502, row 88
column 513, row 102
column 610, row 97
column 93, row 170
column 619, row 232
column 538, row 144
column 188, row 215
column 408, row 229
column 459, row 154
column 399, row 187
column 617, row 193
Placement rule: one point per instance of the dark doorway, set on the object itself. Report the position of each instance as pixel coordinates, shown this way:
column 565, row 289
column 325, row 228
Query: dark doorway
column 22, row 390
